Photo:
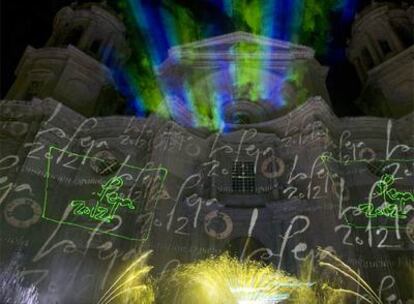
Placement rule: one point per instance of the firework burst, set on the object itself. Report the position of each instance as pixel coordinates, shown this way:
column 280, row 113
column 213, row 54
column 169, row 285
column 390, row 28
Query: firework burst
column 132, row 286
column 225, row 280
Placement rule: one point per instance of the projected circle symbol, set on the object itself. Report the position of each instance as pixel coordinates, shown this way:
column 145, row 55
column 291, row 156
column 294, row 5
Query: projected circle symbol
column 22, row 212
column 218, row 225
column 273, row 167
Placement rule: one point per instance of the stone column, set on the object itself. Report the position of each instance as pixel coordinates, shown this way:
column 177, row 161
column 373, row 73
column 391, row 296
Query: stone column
column 359, row 68
column 371, row 46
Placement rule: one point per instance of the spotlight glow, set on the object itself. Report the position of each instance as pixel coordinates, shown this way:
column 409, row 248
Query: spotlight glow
column 156, row 26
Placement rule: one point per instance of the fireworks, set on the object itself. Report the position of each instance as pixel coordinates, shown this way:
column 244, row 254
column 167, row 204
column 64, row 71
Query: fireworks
column 12, row 287
column 340, row 267
column 226, row 280
column 132, row 286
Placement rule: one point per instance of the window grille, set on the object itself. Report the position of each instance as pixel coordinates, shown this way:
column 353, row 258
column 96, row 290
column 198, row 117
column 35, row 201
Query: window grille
column 243, row 177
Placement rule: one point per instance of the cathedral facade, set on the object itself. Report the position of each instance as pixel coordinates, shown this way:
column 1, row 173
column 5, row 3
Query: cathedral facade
column 279, row 176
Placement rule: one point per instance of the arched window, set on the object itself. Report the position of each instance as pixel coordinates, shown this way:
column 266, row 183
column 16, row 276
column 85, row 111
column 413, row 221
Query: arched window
column 74, row 36
column 404, row 33
column 385, row 47
column 95, row 47
column 241, row 118
column 33, row 89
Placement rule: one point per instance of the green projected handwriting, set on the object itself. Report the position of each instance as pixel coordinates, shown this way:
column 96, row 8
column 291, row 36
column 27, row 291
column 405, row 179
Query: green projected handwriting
column 109, row 211
column 392, row 194
column 394, row 200
column 386, row 210
column 107, row 203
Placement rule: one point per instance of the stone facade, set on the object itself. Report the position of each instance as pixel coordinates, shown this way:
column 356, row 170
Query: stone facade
column 381, row 49
column 284, row 179
column 72, row 67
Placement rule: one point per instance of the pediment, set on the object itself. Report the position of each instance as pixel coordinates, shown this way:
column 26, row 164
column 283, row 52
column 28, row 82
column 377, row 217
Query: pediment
column 242, row 44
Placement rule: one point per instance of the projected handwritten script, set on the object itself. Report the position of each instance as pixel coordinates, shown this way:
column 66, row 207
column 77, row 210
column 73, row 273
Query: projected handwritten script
column 81, row 198
column 370, row 195
column 121, row 203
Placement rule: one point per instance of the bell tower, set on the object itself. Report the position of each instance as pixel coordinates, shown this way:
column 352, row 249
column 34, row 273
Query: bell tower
column 75, row 65
column 382, row 51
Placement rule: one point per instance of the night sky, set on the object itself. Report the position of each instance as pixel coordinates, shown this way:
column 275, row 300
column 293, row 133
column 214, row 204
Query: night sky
column 30, row 23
